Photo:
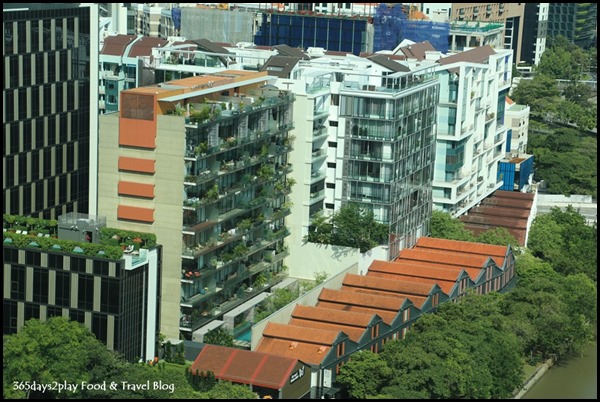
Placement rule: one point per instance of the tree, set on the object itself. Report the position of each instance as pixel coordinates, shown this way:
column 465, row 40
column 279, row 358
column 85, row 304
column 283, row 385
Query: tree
column 219, row 336
column 350, row 226
column 540, row 93
column 57, row 350
column 227, row 390
column 498, row 236
column 444, row 226
column 464, row 350
column 364, row 375
column 563, row 239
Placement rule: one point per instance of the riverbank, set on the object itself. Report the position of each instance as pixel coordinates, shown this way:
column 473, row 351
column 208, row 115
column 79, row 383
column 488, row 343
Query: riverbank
column 534, row 377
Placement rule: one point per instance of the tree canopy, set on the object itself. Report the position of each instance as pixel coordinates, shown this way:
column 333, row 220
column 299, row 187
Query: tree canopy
column 58, row 351
column 350, row 226
column 565, row 241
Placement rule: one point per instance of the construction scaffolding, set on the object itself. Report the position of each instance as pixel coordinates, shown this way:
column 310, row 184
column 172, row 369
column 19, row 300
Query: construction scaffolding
column 391, row 26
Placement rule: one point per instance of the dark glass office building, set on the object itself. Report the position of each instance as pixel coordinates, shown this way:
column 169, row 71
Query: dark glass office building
column 116, row 296
column 50, row 108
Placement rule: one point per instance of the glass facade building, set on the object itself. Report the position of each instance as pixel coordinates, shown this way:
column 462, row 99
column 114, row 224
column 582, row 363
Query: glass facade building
column 50, row 108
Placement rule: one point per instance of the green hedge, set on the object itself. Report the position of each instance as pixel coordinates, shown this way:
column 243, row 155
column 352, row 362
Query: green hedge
column 66, row 246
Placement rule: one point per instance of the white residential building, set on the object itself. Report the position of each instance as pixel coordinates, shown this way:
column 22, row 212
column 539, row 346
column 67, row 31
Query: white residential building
column 471, row 130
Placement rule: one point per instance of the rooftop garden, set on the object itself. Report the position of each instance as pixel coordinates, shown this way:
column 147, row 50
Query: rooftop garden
column 29, row 232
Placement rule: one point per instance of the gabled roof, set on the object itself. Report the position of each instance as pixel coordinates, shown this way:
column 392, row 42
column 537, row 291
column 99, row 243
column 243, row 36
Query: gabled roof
column 309, row 345
column 116, row 45
column 417, row 50
column 386, row 62
column 384, row 306
column 413, row 270
column 472, row 272
column 143, row 46
column 280, row 66
column 465, row 247
column 244, row 366
column 286, row 50
column 479, row 54
column 506, row 209
column 213, row 47
column 353, row 281
column 300, row 334
column 446, row 258
column 351, row 323
column 446, row 285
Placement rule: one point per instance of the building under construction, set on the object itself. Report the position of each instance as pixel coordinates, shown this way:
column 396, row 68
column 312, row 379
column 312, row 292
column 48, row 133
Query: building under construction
column 383, row 27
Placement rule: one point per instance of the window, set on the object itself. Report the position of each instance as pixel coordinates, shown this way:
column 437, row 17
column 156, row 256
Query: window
column 330, row 185
column 332, row 144
column 109, row 297
column 63, row 289
column 78, row 264
column 340, row 349
column 40, row 285
column 331, row 165
column 85, row 295
column 17, row 283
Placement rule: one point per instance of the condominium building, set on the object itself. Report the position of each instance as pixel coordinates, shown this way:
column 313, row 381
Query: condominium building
column 367, row 138
column 471, row 133
column 50, row 100
column 203, row 163
column 575, row 21
column 74, row 267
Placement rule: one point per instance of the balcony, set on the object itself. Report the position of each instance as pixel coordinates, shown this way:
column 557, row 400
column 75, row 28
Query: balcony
column 318, row 154
column 317, row 176
column 317, row 196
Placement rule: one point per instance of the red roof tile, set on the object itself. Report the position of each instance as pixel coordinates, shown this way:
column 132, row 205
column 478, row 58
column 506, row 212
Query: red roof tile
column 300, row 334
column 446, row 258
column 309, row 345
column 472, row 272
column 353, row 281
column 351, row 323
column 464, row 247
column 446, row 285
column 307, row 353
column 243, row 366
column 346, row 298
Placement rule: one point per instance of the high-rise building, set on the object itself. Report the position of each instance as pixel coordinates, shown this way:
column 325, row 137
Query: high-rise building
column 525, row 25
column 471, row 133
column 367, row 138
column 50, row 98
column 203, row 163
column 575, row 21
column 74, row 267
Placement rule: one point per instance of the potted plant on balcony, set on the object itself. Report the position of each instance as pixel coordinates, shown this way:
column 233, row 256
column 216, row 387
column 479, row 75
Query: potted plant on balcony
column 213, row 193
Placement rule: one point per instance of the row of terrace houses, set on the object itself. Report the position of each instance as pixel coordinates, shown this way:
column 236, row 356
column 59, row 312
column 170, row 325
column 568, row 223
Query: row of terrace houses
column 369, row 310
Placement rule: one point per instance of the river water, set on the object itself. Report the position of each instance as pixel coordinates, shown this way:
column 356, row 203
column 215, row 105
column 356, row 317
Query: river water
column 572, row 377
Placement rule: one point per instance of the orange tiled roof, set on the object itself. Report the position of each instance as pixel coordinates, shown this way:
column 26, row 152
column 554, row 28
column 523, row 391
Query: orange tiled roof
column 306, row 352
column 387, row 303
column 300, row 334
column 446, row 285
column 353, row 281
column 413, row 270
column 461, row 246
column 351, row 323
column 446, row 258
column 244, row 366
column 473, row 272
column 309, row 345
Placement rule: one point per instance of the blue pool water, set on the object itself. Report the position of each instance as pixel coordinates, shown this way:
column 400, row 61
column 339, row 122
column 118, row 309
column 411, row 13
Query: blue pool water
column 245, row 336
